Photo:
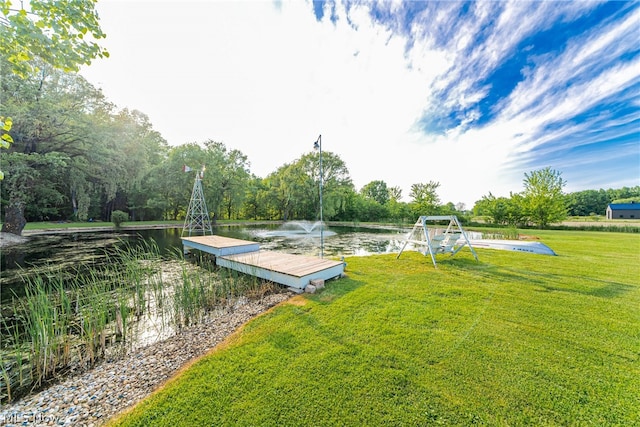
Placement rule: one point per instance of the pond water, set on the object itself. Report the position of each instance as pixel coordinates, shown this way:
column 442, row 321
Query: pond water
column 144, row 311
column 298, row 238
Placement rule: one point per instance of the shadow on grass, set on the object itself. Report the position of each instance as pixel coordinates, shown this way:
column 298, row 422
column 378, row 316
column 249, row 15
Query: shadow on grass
column 548, row 282
column 588, row 286
column 498, row 273
column 463, row 263
column 607, row 290
column 336, row 289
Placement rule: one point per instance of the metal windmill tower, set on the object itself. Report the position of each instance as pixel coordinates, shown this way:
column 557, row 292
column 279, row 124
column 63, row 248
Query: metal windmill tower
column 197, row 219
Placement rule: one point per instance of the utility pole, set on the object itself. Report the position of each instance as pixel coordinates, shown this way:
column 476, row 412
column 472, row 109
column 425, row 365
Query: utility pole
column 318, row 146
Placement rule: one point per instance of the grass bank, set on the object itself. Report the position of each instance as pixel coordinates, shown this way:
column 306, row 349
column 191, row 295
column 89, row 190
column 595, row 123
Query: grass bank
column 61, row 225
column 574, row 224
column 515, row 339
column 44, row 227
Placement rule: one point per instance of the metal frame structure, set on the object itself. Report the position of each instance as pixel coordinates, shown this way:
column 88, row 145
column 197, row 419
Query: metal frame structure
column 197, row 219
column 318, row 146
column 433, row 242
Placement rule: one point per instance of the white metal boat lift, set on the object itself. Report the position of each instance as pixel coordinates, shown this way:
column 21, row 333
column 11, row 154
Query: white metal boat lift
column 434, row 241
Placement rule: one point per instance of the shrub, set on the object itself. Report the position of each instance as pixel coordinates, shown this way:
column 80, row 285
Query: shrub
column 118, row 217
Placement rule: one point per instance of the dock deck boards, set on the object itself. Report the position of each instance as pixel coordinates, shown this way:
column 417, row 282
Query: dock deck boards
column 246, row 257
column 220, row 246
column 218, row 241
column 293, row 265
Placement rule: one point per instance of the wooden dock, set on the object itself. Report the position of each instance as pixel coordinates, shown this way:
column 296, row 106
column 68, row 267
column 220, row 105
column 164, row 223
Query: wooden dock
column 295, row 271
column 218, row 245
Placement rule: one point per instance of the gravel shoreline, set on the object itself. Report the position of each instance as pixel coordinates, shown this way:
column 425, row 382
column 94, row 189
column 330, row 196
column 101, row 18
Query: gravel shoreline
column 92, row 397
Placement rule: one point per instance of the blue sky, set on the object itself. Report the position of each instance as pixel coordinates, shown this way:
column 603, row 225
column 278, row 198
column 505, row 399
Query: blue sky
column 470, row 94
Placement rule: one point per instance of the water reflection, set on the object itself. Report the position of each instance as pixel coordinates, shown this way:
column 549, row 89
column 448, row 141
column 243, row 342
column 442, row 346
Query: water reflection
column 338, row 240
column 298, row 229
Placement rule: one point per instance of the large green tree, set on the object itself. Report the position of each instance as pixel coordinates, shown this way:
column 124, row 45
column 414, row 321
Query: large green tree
column 395, row 193
column 288, row 185
column 295, row 187
column 502, row 210
column 5, row 137
column 425, row 199
column 226, row 179
column 256, row 200
column 50, row 111
column 169, row 186
column 61, row 33
column 587, row 202
column 543, row 196
column 336, row 183
column 376, row 190
column 137, row 149
column 28, row 181
column 109, row 154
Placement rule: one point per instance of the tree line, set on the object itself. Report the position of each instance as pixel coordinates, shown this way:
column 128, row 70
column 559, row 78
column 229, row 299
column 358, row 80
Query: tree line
column 76, row 156
column 73, row 155
column 542, row 208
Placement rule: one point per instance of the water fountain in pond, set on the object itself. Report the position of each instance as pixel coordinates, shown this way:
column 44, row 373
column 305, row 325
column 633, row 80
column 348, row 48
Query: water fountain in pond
column 299, row 229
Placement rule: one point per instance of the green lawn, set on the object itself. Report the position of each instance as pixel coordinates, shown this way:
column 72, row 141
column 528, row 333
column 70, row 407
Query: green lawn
column 47, row 225
column 516, row 339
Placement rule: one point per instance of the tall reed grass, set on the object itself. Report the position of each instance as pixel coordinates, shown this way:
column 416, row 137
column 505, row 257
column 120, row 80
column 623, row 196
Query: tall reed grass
column 71, row 319
column 508, row 233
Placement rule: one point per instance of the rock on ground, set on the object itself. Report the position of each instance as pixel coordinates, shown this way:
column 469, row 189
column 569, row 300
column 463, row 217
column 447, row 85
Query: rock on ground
column 8, row 239
column 92, row 397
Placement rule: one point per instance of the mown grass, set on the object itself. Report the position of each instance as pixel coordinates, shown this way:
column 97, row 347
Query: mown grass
column 516, row 339
column 573, row 223
column 61, row 225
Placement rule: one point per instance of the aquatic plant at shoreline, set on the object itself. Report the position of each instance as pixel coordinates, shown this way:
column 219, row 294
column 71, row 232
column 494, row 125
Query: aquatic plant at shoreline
column 195, row 294
column 70, row 320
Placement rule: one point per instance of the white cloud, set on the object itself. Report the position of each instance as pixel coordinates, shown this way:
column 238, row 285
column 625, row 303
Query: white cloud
column 266, row 81
column 571, row 83
column 267, row 78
